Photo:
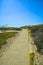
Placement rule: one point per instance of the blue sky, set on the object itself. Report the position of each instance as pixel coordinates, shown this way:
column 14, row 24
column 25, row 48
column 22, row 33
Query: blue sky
column 21, row 12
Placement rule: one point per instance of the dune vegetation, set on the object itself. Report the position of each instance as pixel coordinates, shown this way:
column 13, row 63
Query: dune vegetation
column 4, row 36
column 37, row 35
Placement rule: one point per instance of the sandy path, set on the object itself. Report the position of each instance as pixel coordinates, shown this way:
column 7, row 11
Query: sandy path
column 17, row 53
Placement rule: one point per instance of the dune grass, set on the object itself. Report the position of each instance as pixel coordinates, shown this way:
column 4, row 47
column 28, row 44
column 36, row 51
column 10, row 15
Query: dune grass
column 4, row 36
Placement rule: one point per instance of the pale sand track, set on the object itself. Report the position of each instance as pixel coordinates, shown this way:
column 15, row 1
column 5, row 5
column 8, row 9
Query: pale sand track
column 17, row 53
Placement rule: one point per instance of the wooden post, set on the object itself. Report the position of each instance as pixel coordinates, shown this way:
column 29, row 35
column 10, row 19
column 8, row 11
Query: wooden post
column 31, row 54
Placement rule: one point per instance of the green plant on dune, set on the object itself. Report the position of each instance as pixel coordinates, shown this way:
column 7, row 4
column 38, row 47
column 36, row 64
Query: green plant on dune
column 6, row 35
